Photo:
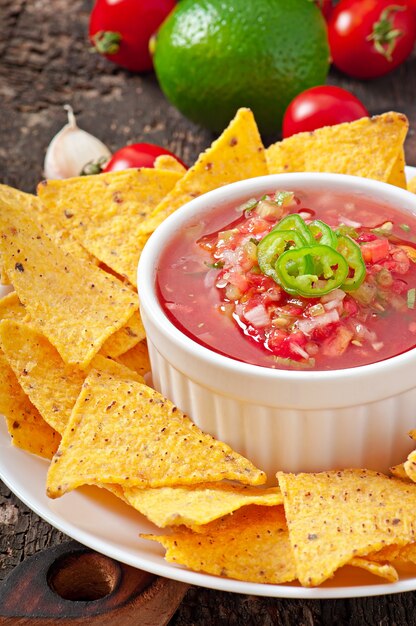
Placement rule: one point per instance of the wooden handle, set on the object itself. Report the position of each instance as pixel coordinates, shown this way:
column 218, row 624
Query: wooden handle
column 79, row 586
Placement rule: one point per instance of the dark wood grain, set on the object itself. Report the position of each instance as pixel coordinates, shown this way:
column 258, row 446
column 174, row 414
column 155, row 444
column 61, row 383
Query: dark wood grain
column 45, row 63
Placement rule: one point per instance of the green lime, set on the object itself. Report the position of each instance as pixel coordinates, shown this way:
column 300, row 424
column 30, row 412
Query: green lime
column 213, row 56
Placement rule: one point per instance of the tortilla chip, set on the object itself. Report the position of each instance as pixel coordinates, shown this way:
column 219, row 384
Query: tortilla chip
column 126, row 338
column 136, row 358
column 74, row 303
column 251, row 545
column 51, row 385
column 196, row 505
column 406, row 554
column 398, row 471
column 237, row 154
column 411, row 185
column 12, row 309
column 168, row 162
column 126, row 433
column 26, row 427
column 368, row 147
column 335, row 516
column 383, row 570
column 398, row 176
column 103, row 212
column 30, row 204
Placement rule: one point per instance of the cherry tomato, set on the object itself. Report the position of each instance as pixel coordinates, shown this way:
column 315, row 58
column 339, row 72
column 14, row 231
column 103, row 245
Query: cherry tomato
column 325, row 6
column 121, row 30
column 321, row 106
column 136, row 155
column 412, row 4
column 369, row 38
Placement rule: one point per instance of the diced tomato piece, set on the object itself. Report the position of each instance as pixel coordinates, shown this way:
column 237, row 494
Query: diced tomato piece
column 364, row 237
column 338, row 342
column 350, row 306
column 375, row 250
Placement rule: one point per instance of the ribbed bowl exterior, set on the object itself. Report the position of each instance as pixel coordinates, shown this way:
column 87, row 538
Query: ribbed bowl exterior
column 372, row 436
column 280, row 419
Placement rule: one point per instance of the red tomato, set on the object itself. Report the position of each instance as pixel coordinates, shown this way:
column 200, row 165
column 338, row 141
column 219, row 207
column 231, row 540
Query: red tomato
column 321, row 106
column 136, row 155
column 369, row 38
column 412, row 4
column 325, row 6
column 121, row 30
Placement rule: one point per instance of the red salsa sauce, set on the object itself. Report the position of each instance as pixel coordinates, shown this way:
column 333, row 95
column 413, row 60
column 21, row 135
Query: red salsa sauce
column 212, row 288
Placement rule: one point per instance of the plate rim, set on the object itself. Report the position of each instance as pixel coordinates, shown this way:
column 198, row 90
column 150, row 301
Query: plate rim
column 160, row 567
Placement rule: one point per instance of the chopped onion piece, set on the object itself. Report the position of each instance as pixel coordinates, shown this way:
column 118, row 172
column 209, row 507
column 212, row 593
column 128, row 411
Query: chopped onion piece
column 308, row 325
column 257, row 316
column 348, row 222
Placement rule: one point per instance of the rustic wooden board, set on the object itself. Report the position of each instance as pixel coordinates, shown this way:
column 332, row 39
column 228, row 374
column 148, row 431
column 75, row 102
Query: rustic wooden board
column 45, row 63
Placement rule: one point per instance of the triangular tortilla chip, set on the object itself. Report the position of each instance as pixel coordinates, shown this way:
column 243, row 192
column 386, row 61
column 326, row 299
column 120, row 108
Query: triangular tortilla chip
column 167, row 162
column 51, row 385
column 411, row 185
column 367, row 147
column 26, row 426
column 136, row 358
column 103, row 212
column 398, row 176
column 336, row 516
column 383, row 570
column 126, row 338
column 238, row 153
column 71, row 301
column 126, row 433
column 31, row 204
column 196, row 505
column 251, row 545
column 12, row 309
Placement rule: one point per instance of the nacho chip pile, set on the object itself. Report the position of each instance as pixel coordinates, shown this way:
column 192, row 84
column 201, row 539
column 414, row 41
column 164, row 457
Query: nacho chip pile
column 73, row 356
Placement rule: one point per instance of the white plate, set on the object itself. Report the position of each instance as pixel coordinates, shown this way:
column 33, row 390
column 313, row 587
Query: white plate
column 104, row 523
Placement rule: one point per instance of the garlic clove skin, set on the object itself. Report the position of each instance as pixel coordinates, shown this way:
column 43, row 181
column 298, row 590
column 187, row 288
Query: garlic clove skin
column 71, row 149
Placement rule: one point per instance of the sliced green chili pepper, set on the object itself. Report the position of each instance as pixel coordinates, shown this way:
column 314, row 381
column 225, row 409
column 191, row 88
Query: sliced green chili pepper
column 273, row 245
column 323, row 234
column 293, row 221
column 351, row 252
column 332, row 273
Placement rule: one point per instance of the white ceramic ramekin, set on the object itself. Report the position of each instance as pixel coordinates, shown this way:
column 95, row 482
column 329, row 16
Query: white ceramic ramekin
column 282, row 420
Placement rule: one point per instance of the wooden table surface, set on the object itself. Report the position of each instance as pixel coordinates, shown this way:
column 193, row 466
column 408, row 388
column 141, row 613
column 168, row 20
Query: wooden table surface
column 44, row 63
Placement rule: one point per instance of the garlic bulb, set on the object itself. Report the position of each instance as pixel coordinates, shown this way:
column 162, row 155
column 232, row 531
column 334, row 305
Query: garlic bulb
column 71, row 149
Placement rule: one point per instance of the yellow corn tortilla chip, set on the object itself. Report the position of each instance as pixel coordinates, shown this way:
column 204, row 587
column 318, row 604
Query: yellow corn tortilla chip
column 398, row 471
column 30, row 204
column 367, row 147
column 103, row 212
column 72, row 302
column 196, row 505
column 168, row 162
column 406, row 554
column 397, row 175
column 136, row 358
column 335, row 516
column 120, row 343
column 411, row 185
column 123, row 432
column 383, row 570
column 238, row 153
column 126, row 338
column 251, row 545
column 26, row 426
column 12, row 309
column 51, row 385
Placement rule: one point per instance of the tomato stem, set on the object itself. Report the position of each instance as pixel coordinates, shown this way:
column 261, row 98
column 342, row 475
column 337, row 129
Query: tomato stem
column 384, row 35
column 107, row 42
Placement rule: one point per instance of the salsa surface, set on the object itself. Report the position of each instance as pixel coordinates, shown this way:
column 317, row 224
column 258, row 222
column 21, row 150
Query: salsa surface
column 211, row 287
